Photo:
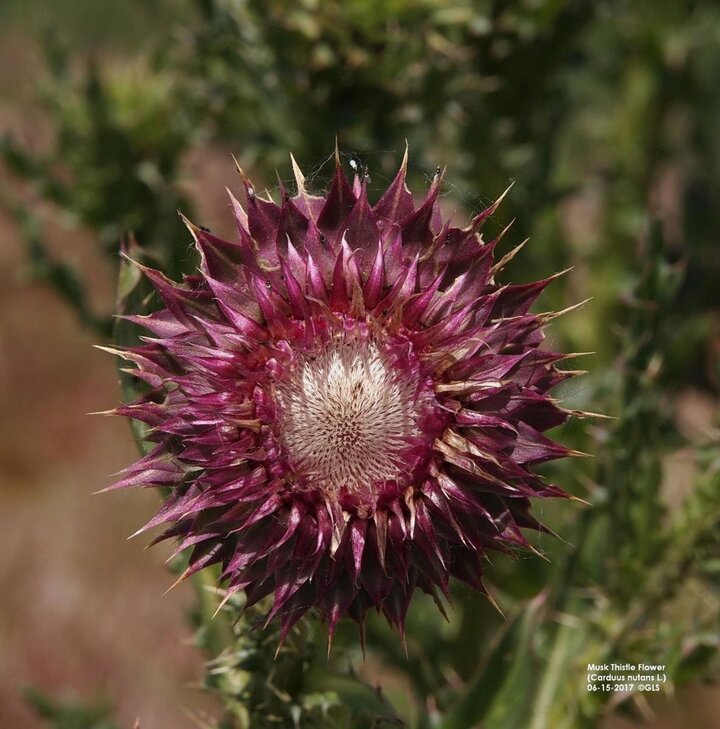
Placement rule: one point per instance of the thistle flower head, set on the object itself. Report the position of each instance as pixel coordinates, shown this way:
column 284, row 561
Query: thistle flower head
column 344, row 404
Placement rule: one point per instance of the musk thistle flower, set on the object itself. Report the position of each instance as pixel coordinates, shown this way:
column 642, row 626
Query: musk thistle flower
column 344, row 404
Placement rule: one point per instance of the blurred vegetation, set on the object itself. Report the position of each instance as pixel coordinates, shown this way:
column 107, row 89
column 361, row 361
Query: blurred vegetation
column 69, row 714
column 605, row 114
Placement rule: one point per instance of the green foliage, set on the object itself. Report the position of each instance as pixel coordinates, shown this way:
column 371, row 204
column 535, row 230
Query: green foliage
column 476, row 85
column 112, row 168
column 69, row 714
column 265, row 685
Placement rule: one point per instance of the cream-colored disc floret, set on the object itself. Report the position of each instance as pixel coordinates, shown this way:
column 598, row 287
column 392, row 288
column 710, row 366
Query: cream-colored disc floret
column 346, row 415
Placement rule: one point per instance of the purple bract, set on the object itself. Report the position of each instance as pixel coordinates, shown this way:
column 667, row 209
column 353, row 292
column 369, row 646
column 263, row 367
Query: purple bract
column 345, row 405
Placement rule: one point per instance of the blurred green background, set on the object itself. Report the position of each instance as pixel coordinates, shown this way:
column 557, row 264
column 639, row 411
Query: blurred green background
column 604, row 115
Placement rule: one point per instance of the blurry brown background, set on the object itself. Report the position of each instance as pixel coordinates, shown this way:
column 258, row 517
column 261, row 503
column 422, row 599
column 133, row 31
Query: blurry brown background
column 82, row 611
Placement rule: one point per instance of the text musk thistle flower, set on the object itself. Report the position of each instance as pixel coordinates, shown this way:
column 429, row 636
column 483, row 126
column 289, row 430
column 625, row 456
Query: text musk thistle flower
column 345, row 405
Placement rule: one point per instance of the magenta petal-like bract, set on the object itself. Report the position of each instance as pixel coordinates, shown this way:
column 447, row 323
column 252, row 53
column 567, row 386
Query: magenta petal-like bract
column 345, row 405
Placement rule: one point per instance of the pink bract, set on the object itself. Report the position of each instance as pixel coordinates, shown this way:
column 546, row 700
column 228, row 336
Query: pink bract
column 344, row 404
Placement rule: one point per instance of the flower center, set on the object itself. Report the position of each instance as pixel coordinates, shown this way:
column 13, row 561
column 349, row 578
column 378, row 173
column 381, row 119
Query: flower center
column 347, row 415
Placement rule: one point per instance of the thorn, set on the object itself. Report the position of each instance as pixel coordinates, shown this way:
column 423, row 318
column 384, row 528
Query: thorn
column 572, row 497
column 222, row 604
column 578, row 454
column 550, row 315
column 278, row 649
column 268, row 619
column 182, row 577
column 337, row 152
column 508, row 256
column 586, row 414
column 141, row 267
column 498, row 202
column 561, row 273
column 537, row 553
column 238, row 211
column 299, row 177
column 137, row 533
column 284, row 194
column 194, row 230
column 238, row 168
column 250, row 190
column 484, row 214
column 106, row 413
column 109, row 350
column 498, row 238
column 491, row 599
